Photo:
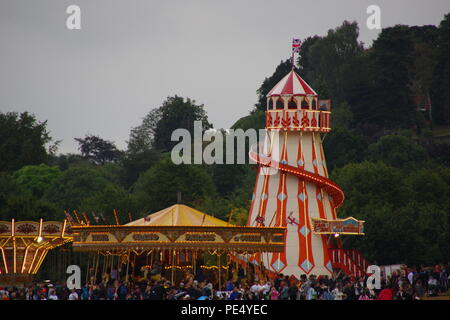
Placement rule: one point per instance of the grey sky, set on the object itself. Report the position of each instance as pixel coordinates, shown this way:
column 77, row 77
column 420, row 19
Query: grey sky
column 131, row 54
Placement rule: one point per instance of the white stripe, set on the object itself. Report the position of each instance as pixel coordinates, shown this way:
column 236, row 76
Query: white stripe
column 297, row 86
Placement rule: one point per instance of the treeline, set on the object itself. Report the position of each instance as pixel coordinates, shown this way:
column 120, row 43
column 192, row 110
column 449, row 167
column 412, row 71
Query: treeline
column 382, row 150
column 36, row 183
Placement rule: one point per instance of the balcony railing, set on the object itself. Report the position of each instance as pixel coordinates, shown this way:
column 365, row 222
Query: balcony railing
column 298, row 120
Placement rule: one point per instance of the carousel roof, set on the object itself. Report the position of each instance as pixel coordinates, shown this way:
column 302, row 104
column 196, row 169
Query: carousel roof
column 178, row 215
column 292, row 84
column 180, row 227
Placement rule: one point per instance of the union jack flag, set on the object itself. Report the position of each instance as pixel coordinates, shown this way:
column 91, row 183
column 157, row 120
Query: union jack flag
column 296, row 44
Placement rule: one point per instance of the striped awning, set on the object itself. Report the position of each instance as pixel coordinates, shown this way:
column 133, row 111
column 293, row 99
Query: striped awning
column 292, row 84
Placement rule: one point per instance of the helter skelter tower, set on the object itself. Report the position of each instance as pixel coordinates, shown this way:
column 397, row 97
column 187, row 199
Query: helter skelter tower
column 292, row 187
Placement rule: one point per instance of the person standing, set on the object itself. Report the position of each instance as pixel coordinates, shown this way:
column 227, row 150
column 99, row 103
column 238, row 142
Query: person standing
column 52, row 295
column 73, row 295
column 337, row 292
column 419, row 290
column 274, row 294
column 386, row 294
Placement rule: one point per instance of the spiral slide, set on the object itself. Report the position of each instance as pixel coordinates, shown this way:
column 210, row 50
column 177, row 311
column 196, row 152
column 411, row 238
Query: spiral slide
column 329, row 186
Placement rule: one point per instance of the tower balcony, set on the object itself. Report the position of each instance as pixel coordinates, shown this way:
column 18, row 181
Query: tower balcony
column 298, row 120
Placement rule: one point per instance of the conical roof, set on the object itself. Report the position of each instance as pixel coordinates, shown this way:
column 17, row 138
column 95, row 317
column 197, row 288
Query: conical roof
column 178, row 215
column 292, row 84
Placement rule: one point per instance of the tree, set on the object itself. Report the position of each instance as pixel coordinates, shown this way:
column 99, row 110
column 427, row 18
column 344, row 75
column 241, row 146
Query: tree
column 8, row 187
column 142, row 137
column 23, row 141
column 342, row 116
column 440, row 94
column 406, row 214
column 158, row 187
column 75, row 185
column 177, row 113
column 256, row 120
column 106, row 200
column 374, row 193
column 369, row 183
column 25, row 207
column 37, row 179
column 392, row 58
column 328, row 61
column 396, row 151
column 342, row 147
column 157, row 126
column 134, row 164
column 98, row 150
column 20, row 204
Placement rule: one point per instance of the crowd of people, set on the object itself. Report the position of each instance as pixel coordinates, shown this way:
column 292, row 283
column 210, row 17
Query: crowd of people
column 405, row 284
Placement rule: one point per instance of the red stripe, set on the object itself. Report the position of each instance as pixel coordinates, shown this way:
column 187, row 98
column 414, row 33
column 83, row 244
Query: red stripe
column 276, row 86
column 305, row 86
column 288, row 88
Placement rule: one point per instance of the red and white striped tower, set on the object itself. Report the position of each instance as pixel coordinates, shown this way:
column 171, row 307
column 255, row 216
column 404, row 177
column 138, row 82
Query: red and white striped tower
column 296, row 188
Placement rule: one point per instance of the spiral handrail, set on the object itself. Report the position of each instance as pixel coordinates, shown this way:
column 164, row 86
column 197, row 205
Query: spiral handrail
column 329, row 186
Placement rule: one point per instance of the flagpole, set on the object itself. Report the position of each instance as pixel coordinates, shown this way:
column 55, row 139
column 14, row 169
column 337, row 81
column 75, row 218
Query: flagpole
column 293, row 51
column 296, row 43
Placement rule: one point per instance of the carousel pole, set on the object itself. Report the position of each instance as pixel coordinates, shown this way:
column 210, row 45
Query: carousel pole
column 134, row 265
column 220, row 274
column 151, row 258
column 112, row 263
column 194, row 262
column 128, row 265
column 119, row 257
column 105, row 259
column 173, row 269
column 87, row 270
column 96, row 267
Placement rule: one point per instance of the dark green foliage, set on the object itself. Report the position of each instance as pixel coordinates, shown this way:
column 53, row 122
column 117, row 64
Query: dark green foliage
column 341, row 146
column 22, row 141
column 8, row 187
column 392, row 58
column 37, row 179
column 176, row 113
column 329, row 61
column 406, row 213
column 76, row 184
column 256, row 120
column 98, row 150
column 104, row 201
column 18, row 203
column 397, row 151
column 157, row 188
column 440, row 94
column 136, row 163
column 25, row 207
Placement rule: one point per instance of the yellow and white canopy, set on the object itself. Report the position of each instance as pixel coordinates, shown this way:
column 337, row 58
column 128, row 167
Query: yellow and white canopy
column 178, row 215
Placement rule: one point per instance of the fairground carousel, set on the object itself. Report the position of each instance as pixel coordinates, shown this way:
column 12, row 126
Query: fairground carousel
column 24, row 246
column 175, row 243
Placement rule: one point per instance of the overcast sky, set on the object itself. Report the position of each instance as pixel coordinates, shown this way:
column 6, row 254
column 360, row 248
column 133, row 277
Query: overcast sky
column 131, row 54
